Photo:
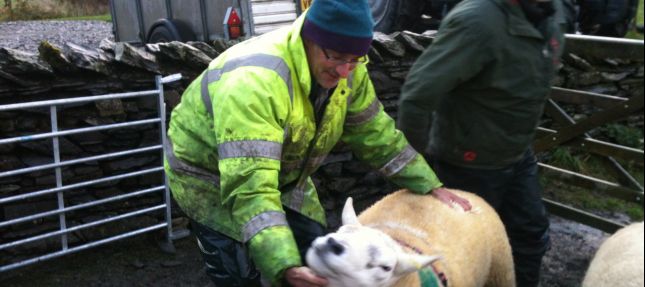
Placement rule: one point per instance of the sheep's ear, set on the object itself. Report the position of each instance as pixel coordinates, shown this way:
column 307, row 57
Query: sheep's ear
column 349, row 215
column 413, row 262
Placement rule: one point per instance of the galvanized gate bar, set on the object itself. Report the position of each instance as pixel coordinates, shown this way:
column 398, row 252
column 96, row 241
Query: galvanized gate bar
column 76, row 100
column 82, row 226
column 561, row 117
column 163, row 139
column 610, row 188
column 582, row 97
column 590, row 47
column 77, row 131
column 622, row 175
column 80, row 160
column 599, row 147
column 82, row 247
column 62, row 223
column 581, row 216
column 77, row 185
column 62, row 210
column 619, row 111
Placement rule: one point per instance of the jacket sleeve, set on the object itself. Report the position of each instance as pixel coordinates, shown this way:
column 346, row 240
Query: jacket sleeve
column 250, row 111
column 458, row 53
column 371, row 135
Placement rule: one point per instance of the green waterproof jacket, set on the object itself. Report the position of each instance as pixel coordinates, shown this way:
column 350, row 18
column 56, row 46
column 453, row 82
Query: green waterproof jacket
column 486, row 77
column 244, row 141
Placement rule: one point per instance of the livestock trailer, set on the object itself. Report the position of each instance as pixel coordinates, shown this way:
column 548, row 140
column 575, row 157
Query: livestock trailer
column 150, row 21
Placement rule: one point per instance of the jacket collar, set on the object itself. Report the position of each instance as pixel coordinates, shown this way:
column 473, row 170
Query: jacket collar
column 299, row 56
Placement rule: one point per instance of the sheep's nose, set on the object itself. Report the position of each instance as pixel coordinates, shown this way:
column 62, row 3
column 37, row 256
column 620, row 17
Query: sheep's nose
column 334, row 246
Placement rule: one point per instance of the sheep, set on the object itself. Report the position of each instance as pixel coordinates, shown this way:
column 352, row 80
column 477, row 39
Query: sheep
column 619, row 260
column 405, row 238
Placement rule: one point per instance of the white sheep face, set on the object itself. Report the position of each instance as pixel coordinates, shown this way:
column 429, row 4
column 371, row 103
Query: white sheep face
column 359, row 256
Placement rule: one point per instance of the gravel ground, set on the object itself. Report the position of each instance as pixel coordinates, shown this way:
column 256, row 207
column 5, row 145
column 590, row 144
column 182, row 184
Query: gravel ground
column 572, row 248
column 138, row 262
column 27, row 35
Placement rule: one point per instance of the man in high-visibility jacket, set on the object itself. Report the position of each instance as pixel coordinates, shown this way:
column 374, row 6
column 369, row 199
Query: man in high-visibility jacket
column 253, row 127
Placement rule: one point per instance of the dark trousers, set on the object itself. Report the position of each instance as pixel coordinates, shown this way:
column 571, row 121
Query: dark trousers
column 228, row 263
column 515, row 193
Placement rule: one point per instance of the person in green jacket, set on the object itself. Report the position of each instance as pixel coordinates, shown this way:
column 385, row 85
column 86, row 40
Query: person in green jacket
column 472, row 102
column 252, row 128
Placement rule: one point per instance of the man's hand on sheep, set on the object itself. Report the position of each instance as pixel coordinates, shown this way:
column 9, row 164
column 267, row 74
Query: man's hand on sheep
column 449, row 198
column 303, row 277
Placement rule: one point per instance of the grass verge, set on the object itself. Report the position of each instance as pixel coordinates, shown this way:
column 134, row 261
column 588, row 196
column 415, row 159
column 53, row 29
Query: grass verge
column 589, row 199
column 52, row 9
column 639, row 21
column 104, row 17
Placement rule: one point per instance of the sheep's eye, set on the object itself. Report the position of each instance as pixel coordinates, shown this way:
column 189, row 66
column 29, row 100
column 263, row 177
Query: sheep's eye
column 386, row 268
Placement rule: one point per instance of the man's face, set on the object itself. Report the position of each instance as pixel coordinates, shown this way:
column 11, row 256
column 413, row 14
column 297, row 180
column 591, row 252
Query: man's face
column 328, row 66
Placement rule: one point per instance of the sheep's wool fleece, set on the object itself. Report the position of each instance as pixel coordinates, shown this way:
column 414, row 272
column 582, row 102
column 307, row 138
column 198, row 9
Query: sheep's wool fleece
column 619, row 260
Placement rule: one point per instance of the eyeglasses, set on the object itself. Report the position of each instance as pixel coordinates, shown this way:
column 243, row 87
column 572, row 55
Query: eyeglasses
column 340, row 61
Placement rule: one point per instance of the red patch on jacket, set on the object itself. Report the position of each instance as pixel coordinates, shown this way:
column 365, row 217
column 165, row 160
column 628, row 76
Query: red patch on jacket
column 470, row 155
column 555, row 47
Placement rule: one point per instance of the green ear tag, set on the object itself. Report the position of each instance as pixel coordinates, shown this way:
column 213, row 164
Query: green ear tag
column 428, row 278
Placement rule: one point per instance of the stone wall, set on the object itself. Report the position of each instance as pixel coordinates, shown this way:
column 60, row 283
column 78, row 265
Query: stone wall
column 71, row 71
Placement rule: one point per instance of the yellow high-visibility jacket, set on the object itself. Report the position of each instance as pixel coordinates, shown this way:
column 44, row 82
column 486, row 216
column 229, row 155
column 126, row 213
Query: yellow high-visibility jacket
column 244, row 141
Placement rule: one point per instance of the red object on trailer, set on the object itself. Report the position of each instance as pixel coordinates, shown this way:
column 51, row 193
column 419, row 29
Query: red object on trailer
column 234, row 25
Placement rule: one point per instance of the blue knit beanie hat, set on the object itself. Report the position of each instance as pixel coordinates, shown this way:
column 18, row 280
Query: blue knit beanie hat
column 345, row 26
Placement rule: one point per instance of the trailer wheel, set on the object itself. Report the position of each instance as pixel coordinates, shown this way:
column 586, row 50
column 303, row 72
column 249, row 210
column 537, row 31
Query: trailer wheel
column 164, row 30
column 385, row 14
column 161, row 34
column 399, row 15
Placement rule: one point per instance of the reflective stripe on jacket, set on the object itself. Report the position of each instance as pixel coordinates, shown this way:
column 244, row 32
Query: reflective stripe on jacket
column 244, row 141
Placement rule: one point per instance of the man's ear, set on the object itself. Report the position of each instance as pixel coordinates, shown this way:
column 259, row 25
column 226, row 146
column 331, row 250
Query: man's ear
column 413, row 262
column 349, row 215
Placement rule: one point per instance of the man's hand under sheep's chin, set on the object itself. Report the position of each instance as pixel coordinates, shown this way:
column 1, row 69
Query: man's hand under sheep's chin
column 303, row 277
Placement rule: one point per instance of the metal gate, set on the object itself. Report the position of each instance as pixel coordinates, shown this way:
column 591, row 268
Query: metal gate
column 575, row 134
column 62, row 210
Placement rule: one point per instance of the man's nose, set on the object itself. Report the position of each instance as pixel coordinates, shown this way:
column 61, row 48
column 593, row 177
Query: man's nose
column 343, row 70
